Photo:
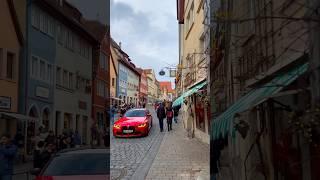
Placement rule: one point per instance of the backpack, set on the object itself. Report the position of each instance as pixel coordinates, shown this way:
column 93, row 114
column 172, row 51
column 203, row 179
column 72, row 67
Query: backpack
column 169, row 114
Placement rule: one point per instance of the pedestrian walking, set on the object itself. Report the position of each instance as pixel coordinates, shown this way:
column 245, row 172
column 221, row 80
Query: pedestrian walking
column 8, row 152
column 37, row 154
column 46, row 155
column 65, row 143
column 161, row 114
column 51, row 138
column 169, row 116
column 106, row 138
column 19, row 142
column 176, row 113
column 76, row 139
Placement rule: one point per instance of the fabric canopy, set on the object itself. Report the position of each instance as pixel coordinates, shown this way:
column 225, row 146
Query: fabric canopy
column 222, row 125
column 193, row 90
column 17, row 116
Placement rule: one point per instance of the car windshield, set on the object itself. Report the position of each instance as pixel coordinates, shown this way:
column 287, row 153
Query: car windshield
column 78, row 164
column 135, row 113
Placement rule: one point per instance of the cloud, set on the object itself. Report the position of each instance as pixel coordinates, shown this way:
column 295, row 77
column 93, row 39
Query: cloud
column 148, row 31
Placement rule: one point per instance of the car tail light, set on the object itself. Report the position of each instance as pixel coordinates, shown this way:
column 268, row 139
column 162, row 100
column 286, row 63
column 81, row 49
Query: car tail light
column 44, row 178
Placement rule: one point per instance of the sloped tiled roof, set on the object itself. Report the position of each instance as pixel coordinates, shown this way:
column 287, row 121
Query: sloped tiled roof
column 166, row 85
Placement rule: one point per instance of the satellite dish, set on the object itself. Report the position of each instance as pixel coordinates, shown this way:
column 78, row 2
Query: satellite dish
column 162, row 73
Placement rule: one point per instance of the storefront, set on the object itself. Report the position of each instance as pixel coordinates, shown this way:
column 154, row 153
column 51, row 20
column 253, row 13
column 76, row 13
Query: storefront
column 14, row 122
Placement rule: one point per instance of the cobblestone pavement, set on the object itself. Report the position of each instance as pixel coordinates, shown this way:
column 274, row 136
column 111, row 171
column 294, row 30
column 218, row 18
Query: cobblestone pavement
column 180, row 157
column 127, row 154
column 21, row 171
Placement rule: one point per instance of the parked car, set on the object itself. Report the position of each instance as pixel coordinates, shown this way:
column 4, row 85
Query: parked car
column 134, row 123
column 76, row 164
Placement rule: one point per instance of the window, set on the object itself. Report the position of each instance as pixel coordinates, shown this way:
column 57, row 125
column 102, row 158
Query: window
column 58, row 76
column 34, row 67
column 49, row 73
column 45, row 23
column 64, row 36
column 42, row 70
column 60, row 35
column 51, row 27
column 10, row 65
column 101, row 88
column 35, row 18
column 65, row 78
column 190, row 18
column 103, row 60
column 41, row 21
column 113, row 82
column 70, row 80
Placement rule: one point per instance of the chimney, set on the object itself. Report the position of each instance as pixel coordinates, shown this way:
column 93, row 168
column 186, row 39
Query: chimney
column 120, row 45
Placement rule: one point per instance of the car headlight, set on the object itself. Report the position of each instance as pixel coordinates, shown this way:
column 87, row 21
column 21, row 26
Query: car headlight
column 117, row 126
column 142, row 125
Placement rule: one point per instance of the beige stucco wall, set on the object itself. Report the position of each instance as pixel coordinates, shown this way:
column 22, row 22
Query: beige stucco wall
column 152, row 87
column 191, row 38
column 192, row 46
column 113, row 67
column 9, row 43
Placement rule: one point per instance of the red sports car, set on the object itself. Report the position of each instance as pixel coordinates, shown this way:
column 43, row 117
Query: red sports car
column 134, row 123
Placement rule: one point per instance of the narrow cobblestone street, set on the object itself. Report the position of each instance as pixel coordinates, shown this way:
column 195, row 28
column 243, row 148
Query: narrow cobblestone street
column 180, row 157
column 127, row 154
column 168, row 155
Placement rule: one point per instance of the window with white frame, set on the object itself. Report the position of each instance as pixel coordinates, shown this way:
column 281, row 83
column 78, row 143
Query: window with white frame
column 42, row 70
column 49, row 73
column 70, row 80
column 51, row 26
column 45, row 23
column 41, row 21
column 34, row 67
column 35, row 17
column 59, row 32
column 58, row 75
column 65, row 78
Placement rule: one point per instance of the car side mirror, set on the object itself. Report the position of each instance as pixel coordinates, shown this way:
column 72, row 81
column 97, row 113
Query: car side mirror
column 35, row 171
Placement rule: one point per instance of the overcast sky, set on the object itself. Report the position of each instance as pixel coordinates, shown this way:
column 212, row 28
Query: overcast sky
column 148, row 32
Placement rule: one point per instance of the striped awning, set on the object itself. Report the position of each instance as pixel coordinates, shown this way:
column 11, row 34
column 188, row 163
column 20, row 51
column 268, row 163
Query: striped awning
column 223, row 124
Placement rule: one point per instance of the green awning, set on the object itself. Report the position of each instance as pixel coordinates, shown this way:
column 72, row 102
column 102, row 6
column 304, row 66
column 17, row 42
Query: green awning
column 222, row 125
column 191, row 91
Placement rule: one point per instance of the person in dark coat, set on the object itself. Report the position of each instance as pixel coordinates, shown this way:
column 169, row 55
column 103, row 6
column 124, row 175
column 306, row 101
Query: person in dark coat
column 161, row 114
column 8, row 152
column 51, row 138
column 19, row 141
column 46, row 155
column 169, row 116
column 36, row 155
column 76, row 139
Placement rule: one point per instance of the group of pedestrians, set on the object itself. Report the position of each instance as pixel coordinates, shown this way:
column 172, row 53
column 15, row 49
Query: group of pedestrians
column 166, row 111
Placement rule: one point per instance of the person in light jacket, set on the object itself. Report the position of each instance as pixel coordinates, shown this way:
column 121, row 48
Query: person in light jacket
column 8, row 152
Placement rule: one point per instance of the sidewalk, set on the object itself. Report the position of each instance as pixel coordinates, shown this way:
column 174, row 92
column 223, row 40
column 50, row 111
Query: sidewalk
column 180, row 157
